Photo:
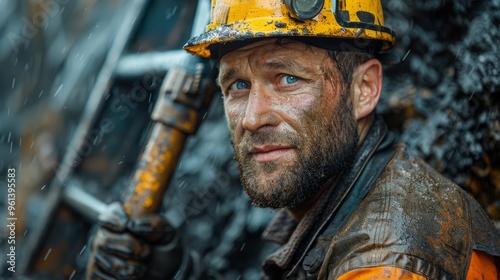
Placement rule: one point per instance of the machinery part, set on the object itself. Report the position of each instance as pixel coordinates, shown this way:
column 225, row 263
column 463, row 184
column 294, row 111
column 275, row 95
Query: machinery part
column 183, row 96
column 304, row 10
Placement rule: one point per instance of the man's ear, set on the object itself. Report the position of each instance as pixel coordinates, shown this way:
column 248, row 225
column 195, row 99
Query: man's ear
column 366, row 88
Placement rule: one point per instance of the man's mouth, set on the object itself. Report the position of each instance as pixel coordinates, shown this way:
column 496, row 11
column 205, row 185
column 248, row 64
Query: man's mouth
column 268, row 153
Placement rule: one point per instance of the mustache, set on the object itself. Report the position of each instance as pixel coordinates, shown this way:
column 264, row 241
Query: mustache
column 251, row 139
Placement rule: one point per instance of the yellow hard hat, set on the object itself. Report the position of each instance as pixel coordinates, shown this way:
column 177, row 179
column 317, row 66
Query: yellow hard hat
column 336, row 24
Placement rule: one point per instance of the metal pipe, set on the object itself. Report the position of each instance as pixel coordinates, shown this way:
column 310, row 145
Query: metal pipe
column 84, row 203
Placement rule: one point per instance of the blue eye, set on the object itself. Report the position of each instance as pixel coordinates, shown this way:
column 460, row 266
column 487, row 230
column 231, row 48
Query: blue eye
column 238, row 85
column 289, row 79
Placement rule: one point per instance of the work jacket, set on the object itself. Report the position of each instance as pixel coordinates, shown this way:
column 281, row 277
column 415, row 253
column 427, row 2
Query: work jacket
column 390, row 215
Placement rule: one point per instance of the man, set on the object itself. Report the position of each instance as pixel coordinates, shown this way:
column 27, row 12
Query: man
column 300, row 85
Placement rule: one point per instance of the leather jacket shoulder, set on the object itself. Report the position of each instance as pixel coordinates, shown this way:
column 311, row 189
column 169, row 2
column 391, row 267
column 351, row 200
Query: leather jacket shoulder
column 414, row 219
column 389, row 209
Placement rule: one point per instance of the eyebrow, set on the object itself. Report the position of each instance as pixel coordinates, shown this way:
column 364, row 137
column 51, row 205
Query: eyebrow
column 270, row 65
column 289, row 65
column 226, row 75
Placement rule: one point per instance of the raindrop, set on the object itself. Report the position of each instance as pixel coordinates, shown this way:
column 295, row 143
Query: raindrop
column 25, row 101
column 407, row 53
column 472, row 70
column 32, row 143
column 171, row 13
column 43, row 187
column 83, row 249
column 26, row 231
column 41, row 93
column 11, row 147
column 20, row 141
column 120, row 162
column 48, row 253
column 89, row 36
column 58, row 90
column 8, row 138
column 13, row 82
column 242, row 246
column 8, row 112
column 472, row 95
column 72, row 274
column 204, row 115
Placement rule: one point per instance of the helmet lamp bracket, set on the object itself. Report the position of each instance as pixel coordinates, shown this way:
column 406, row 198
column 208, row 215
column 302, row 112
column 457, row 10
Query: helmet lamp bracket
column 304, row 9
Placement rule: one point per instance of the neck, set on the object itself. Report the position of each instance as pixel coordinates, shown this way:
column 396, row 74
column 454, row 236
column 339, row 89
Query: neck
column 364, row 125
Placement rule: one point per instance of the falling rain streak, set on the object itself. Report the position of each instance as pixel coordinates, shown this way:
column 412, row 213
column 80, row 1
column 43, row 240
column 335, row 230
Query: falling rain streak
column 72, row 275
column 58, row 90
column 47, row 254
column 407, row 53
column 83, row 249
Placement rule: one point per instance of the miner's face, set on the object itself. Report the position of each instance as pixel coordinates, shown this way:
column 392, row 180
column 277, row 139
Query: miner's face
column 290, row 118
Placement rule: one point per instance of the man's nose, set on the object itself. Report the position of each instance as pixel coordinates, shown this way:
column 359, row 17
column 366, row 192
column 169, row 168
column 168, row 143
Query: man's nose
column 260, row 111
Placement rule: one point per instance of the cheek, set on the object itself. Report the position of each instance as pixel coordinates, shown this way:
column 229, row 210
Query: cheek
column 313, row 111
column 234, row 115
column 297, row 114
column 300, row 107
column 326, row 102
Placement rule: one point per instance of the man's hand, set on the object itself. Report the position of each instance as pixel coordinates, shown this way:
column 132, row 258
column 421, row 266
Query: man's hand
column 142, row 248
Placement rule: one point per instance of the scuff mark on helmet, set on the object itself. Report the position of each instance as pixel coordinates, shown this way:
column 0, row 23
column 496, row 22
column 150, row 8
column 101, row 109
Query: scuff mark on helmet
column 280, row 24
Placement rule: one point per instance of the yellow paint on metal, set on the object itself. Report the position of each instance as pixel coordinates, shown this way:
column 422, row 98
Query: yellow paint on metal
column 148, row 202
column 234, row 20
column 156, row 166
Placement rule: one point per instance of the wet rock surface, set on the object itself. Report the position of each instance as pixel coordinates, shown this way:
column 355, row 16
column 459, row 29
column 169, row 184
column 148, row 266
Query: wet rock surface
column 443, row 98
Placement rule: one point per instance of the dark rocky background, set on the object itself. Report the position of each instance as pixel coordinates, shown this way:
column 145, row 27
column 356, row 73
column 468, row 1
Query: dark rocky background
column 442, row 100
column 444, row 96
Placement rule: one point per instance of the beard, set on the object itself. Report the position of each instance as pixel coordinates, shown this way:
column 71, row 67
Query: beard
column 324, row 151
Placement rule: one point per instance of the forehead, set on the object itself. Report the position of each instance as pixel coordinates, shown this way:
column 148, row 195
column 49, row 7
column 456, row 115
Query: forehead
column 286, row 52
column 274, row 45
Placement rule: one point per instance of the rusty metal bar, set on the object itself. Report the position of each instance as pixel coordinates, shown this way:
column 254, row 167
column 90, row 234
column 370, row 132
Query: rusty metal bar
column 184, row 95
column 155, row 168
